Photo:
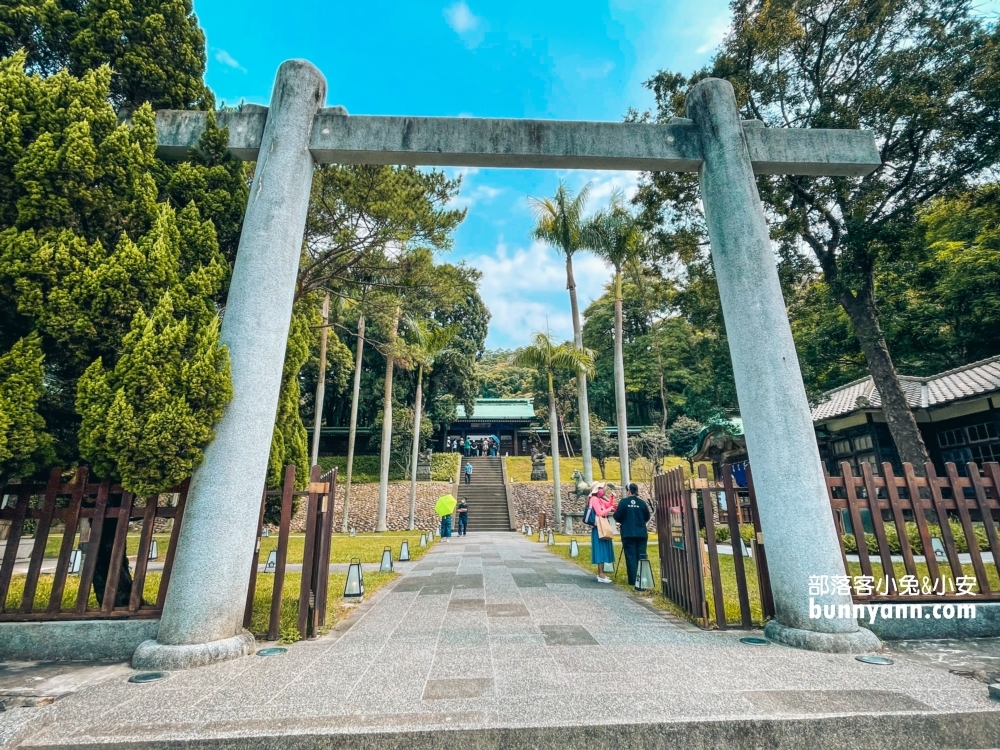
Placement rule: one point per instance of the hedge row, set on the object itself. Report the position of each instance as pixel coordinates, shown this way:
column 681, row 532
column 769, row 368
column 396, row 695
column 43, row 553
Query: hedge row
column 892, row 537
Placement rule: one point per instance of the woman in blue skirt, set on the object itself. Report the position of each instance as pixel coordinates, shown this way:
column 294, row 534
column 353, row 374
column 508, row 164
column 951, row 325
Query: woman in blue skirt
column 602, row 551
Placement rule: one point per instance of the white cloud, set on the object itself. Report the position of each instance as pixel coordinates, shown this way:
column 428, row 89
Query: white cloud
column 592, row 72
column 470, row 196
column 715, row 32
column 525, row 291
column 465, row 23
column 228, row 60
column 602, row 184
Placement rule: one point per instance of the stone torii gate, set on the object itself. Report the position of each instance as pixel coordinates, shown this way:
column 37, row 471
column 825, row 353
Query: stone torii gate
column 203, row 612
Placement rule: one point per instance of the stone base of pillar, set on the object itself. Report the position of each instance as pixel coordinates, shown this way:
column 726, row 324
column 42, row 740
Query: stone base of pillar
column 161, row 656
column 861, row 641
column 569, row 525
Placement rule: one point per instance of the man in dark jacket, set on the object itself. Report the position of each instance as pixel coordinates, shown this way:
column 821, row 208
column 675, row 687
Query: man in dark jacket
column 632, row 516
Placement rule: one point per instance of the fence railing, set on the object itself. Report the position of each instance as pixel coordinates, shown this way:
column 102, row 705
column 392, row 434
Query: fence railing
column 320, row 496
column 79, row 535
column 101, row 554
column 692, row 565
column 920, row 527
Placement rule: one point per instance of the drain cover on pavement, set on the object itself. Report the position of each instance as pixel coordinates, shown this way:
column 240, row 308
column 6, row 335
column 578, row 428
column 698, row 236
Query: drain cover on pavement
column 755, row 641
column 147, row 677
column 272, row 651
column 883, row 661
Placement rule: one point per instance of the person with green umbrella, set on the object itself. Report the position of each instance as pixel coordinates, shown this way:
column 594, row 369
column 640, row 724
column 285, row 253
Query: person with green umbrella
column 444, row 507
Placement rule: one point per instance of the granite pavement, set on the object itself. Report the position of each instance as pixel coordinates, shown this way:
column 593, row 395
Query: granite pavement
column 491, row 641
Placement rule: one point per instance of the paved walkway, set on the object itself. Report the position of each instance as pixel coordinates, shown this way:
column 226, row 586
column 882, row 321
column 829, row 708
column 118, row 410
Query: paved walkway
column 493, row 634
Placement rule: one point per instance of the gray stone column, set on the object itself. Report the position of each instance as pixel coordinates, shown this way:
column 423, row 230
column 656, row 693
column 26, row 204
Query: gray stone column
column 202, row 617
column 797, row 523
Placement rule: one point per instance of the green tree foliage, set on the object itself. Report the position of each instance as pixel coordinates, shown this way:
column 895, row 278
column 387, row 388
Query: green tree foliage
column 962, row 270
column 498, row 378
column 921, row 76
column 547, row 358
column 108, row 278
column 289, row 442
column 360, row 214
column 148, row 418
column 154, row 47
column 652, row 445
column 215, row 181
column 683, row 435
column 602, row 444
column 24, row 444
column 402, row 436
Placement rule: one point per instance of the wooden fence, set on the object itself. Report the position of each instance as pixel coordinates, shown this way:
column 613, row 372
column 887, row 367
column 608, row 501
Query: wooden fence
column 685, row 509
column 320, row 496
column 103, row 544
column 110, row 510
column 942, row 514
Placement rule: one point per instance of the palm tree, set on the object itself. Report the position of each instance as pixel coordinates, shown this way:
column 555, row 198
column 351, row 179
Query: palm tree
column 385, row 455
column 428, row 344
column 614, row 235
column 559, row 225
column 353, row 431
column 545, row 357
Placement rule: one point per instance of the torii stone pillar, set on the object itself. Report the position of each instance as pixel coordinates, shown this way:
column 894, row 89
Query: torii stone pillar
column 202, row 617
column 792, row 498
column 203, row 612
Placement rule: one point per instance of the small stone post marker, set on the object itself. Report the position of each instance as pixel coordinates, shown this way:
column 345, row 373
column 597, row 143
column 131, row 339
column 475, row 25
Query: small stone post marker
column 202, row 617
column 791, row 489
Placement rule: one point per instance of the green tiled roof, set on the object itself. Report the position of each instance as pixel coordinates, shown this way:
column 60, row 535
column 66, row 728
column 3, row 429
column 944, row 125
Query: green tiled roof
column 499, row 409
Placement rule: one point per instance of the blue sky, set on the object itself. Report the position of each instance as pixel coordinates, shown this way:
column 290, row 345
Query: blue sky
column 562, row 60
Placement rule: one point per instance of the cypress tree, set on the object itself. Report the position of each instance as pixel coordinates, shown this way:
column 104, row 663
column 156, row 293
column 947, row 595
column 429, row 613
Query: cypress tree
column 24, row 445
column 154, row 47
column 148, row 418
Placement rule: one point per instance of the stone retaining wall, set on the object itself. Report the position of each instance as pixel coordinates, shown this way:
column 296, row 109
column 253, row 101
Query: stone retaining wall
column 364, row 506
column 532, row 498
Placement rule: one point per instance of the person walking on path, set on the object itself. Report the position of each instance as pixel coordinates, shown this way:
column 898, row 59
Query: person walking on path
column 463, row 516
column 602, row 551
column 632, row 516
column 468, row 473
column 445, row 527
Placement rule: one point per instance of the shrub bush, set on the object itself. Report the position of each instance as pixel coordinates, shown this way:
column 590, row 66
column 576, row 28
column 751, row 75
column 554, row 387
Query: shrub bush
column 444, row 466
column 913, row 535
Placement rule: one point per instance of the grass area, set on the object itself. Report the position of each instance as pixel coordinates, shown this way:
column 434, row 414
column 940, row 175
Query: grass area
column 44, row 591
column 727, row 573
column 519, row 468
column 343, row 548
column 444, row 466
column 54, row 542
column 727, row 569
column 336, row 608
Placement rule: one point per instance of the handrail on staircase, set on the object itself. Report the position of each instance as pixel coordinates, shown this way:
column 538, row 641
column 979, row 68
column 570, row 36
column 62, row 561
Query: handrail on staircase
column 507, row 493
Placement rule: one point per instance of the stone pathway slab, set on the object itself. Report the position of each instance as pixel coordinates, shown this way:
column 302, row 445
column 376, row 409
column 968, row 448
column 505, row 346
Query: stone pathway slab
column 530, row 652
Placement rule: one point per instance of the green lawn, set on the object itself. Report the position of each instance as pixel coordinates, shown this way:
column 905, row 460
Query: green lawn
column 53, row 543
column 336, row 610
column 519, row 468
column 344, row 548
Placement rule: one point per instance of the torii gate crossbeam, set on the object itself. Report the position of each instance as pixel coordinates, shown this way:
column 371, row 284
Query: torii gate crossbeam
column 203, row 612
column 339, row 138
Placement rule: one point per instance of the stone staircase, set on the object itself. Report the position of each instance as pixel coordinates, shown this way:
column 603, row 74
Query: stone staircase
column 487, row 495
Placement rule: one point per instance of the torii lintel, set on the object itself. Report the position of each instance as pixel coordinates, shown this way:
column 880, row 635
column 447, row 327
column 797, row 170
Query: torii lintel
column 546, row 144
